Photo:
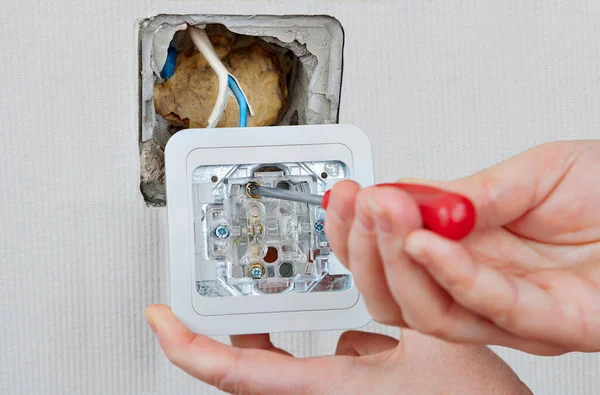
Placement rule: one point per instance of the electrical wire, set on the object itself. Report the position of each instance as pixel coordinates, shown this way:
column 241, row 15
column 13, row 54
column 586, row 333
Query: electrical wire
column 241, row 99
column 202, row 42
column 170, row 64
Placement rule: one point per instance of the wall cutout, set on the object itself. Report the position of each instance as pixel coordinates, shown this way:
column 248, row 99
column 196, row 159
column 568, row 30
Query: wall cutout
column 290, row 69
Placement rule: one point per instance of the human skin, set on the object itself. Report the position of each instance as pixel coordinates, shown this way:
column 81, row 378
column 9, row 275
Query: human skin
column 528, row 277
column 363, row 363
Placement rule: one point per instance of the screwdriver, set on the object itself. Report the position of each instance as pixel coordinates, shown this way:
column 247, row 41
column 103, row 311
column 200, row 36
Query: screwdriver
column 446, row 213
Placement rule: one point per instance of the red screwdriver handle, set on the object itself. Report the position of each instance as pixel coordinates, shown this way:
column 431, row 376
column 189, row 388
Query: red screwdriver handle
column 448, row 214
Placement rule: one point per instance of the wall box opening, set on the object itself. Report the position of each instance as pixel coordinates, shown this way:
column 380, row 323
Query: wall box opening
column 289, row 66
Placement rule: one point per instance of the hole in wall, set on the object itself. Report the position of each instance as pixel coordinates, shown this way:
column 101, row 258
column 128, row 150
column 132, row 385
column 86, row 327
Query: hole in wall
column 291, row 65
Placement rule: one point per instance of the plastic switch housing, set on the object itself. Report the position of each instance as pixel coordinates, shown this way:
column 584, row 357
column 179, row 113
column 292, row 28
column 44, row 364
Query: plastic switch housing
column 244, row 264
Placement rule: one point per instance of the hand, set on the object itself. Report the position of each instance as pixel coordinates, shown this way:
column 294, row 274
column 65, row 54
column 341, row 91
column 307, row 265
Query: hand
column 364, row 363
column 527, row 278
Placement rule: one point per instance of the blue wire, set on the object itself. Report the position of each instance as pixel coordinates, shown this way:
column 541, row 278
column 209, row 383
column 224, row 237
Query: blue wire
column 169, row 68
column 241, row 101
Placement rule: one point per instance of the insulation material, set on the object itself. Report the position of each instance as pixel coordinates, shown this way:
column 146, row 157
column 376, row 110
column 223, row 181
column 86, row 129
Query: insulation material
column 188, row 97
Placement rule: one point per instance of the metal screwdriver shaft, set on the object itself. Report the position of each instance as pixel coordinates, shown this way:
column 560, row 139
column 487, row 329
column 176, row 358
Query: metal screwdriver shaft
column 283, row 194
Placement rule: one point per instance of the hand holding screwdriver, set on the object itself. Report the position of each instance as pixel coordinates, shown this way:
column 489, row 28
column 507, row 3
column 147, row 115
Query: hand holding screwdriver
column 526, row 277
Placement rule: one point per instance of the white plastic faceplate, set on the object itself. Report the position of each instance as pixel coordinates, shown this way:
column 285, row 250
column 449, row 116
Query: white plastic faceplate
column 191, row 149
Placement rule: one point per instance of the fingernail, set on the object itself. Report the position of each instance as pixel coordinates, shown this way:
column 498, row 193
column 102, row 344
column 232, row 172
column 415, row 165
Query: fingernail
column 384, row 225
column 150, row 320
column 416, row 252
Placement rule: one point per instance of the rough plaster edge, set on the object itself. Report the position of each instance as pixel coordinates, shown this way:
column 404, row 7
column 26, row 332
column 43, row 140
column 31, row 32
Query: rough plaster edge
column 322, row 37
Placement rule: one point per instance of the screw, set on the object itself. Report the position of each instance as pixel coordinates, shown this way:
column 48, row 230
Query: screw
column 257, row 229
column 250, row 189
column 319, row 227
column 257, row 271
column 222, row 232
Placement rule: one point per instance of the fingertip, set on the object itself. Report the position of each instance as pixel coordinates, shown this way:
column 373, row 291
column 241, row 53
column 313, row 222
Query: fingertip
column 346, row 184
column 170, row 331
column 426, row 247
column 447, row 261
column 344, row 190
column 156, row 309
column 414, row 246
column 344, row 187
column 149, row 318
column 198, row 355
column 154, row 314
column 339, row 217
column 341, row 199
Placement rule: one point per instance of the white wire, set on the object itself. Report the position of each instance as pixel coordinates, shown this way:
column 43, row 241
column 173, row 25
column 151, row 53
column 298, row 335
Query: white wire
column 202, row 42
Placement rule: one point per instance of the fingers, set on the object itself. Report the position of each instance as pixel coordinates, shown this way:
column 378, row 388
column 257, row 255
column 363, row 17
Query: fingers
column 340, row 214
column 504, row 192
column 357, row 343
column 352, row 242
column 424, row 304
column 258, row 341
column 410, row 285
column 232, row 369
column 511, row 303
column 396, row 214
column 364, row 260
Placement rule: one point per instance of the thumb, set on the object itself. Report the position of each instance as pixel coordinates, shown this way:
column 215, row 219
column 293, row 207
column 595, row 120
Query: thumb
column 238, row 370
column 504, row 192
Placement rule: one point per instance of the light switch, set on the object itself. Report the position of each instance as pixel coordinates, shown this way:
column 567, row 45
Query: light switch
column 260, row 264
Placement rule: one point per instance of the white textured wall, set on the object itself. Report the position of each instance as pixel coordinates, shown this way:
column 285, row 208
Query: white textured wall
column 442, row 89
